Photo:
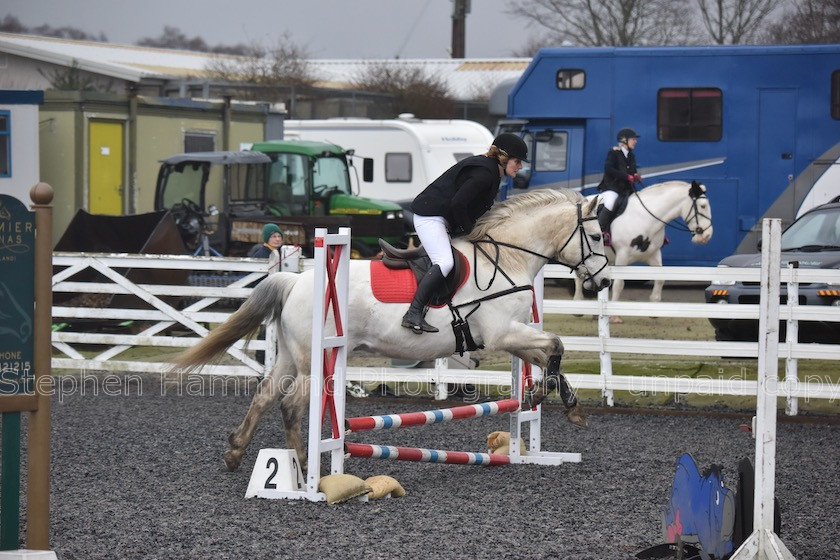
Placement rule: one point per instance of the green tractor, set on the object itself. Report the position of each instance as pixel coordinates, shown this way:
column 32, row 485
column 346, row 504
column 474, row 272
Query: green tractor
column 222, row 200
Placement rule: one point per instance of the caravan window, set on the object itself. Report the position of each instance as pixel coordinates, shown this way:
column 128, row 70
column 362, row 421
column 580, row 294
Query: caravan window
column 835, row 94
column 398, row 168
column 690, row 114
column 5, row 145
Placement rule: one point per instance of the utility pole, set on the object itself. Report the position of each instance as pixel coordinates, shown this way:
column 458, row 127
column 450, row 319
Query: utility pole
column 460, row 9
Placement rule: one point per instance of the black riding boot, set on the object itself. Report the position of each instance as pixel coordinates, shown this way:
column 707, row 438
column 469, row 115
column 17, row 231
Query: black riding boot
column 605, row 218
column 414, row 318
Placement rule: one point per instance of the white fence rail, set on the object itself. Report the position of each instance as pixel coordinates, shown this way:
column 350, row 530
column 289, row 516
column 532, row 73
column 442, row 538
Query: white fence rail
column 190, row 322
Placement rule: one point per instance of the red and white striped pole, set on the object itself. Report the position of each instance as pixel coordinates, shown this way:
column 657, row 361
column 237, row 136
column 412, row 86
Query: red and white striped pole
column 393, row 421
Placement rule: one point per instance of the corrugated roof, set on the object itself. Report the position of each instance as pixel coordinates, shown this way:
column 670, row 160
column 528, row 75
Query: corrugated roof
column 467, row 79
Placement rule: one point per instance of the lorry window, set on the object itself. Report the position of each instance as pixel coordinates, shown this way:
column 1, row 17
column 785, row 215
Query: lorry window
column 835, row 94
column 551, row 154
column 331, row 173
column 398, row 168
column 461, row 156
column 690, row 114
column 571, row 79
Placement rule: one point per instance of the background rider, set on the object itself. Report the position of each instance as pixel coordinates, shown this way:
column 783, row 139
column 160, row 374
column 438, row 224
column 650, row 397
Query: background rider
column 620, row 174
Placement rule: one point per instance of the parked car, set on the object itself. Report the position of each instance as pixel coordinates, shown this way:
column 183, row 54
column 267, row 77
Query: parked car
column 814, row 241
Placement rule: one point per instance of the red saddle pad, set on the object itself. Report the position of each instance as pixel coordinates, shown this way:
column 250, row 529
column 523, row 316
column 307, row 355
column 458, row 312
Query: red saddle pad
column 398, row 286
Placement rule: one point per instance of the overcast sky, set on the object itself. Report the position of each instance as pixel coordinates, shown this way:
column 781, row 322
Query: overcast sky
column 325, row 28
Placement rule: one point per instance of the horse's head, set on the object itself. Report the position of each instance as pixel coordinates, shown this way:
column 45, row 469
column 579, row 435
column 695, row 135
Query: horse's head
column 697, row 214
column 583, row 250
column 547, row 224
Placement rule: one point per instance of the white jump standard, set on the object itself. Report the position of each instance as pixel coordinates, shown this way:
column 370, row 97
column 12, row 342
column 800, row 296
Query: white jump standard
column 328, row 379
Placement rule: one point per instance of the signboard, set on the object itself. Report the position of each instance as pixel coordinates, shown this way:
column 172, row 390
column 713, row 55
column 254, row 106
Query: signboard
column 17, row 295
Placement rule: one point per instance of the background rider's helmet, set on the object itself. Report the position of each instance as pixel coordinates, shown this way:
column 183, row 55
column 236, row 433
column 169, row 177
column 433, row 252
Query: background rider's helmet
column 626, row 134
column 513, row 145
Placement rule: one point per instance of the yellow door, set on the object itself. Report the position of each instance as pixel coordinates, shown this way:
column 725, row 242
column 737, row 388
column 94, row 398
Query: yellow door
column 105, row 175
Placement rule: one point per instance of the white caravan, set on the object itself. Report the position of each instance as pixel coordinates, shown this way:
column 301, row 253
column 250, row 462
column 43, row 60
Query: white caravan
column 407, row 153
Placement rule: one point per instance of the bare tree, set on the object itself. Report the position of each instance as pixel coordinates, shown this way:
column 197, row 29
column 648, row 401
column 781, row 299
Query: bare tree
column 591, row 23
column 11, row 24
column 174, row 38
column 731, row 22
column 412, row 89
column 809, row 22
column 273, row 71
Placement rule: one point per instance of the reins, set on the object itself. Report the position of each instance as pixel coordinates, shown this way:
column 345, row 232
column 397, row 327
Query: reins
column 463, row 337
column 694, row 214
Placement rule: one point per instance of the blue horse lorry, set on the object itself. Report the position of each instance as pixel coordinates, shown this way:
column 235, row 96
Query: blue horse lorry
column 759, row 126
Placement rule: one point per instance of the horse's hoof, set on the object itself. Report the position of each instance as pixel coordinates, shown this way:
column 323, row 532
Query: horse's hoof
column 577, row 416
column 233, row 459
column 616, row 319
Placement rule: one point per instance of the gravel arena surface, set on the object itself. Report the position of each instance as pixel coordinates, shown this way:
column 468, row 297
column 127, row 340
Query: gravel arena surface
column 140, row 476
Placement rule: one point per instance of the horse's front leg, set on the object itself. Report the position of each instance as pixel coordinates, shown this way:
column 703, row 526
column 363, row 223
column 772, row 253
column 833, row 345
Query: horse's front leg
column 544, row 350
column 656, row 292
column 617, row 287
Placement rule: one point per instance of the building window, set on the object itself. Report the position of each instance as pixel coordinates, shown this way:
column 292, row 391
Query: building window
column 398, row 168
column 571, row 79
column 690, row 115
column 5, row 145
column 835, row 94
column 199, row 142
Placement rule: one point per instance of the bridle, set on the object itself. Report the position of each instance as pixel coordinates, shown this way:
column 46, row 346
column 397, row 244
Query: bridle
column 694, row 214
column 463, row 337
column 494, row 259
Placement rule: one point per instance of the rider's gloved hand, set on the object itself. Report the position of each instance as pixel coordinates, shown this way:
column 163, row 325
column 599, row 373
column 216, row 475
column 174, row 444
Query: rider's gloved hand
column 631, row 179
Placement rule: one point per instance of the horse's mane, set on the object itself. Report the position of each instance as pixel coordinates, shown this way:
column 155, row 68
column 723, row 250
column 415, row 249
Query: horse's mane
column 520, row 204
column 666, row 184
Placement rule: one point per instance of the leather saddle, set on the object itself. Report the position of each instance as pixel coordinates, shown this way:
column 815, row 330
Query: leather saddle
column 418, row 261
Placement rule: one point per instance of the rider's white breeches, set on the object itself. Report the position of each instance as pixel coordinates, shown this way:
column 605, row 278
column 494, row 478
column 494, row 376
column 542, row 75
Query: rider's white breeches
column 608, row 199
column 434, row 236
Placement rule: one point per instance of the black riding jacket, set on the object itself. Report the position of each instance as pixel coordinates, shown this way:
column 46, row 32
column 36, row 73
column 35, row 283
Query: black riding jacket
column 462, row 194
column 616, row 169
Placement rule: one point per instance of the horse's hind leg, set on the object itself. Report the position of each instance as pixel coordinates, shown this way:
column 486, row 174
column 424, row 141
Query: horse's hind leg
column 292, row 407
column 267, row 392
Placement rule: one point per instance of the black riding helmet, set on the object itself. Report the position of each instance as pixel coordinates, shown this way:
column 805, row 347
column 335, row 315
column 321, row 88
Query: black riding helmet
column 512, row 145
column 626, row 134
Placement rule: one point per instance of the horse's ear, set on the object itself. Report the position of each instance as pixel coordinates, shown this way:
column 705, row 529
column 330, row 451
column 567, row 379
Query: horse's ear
column 696, row 190
column 591, row 205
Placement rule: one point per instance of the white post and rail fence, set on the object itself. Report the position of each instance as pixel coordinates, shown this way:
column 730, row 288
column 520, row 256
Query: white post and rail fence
column 175, row 317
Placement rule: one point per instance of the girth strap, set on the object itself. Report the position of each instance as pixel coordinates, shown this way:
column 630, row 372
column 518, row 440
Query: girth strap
column 464, row 341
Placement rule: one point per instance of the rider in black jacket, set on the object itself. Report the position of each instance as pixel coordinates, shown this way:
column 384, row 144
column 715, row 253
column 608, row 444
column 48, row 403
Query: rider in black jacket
column 620, row 174
column 451, row 204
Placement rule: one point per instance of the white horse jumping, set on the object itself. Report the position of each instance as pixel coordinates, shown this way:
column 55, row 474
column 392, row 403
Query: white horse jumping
column 638, row 234
column 507, row 248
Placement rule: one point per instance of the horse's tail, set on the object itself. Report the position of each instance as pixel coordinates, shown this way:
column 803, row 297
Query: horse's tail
column 265, row 302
